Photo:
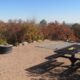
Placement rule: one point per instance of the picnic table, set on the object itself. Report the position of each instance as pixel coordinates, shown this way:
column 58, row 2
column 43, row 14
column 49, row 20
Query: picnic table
column 69, row 50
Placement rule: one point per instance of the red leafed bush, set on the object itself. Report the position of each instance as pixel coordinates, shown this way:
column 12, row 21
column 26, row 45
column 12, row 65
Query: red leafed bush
column 17, row 31
column 58, row 32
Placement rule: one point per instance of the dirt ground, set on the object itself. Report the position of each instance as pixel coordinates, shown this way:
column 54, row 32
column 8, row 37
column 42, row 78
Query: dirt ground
column 15, row 65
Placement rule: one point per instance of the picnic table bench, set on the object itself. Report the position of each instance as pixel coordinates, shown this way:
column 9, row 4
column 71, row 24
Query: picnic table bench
column 70, row 50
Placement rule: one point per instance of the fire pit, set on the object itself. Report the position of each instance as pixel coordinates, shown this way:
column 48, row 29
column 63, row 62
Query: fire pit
column 5, row 48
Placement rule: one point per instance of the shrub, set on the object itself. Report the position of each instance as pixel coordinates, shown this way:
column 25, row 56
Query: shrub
column 76, row 29
column 3, row 41
column 18, row 31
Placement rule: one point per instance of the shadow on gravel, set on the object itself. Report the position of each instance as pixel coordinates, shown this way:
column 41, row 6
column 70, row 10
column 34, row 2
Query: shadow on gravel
column 44, row 67
column 53, row 70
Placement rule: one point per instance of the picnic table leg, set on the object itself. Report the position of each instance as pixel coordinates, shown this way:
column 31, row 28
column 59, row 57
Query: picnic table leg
column 73, row 60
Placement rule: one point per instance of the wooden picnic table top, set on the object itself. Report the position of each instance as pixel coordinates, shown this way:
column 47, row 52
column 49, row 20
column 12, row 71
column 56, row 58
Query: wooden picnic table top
column 73, row 49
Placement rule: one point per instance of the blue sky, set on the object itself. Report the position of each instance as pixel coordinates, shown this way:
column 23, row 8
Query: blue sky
column 51, row 10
